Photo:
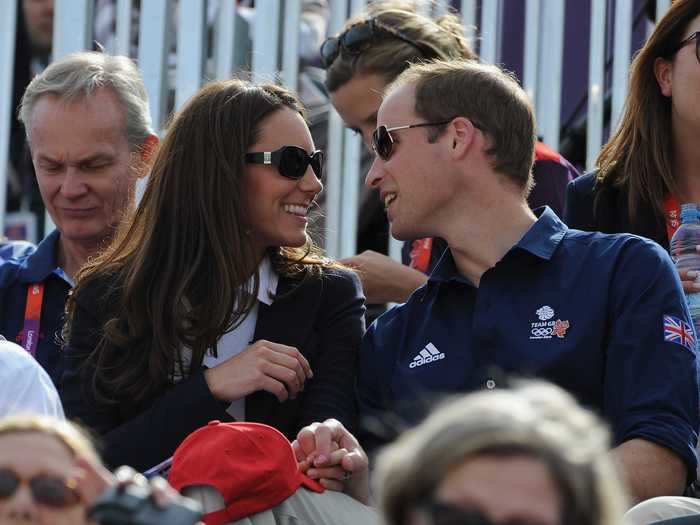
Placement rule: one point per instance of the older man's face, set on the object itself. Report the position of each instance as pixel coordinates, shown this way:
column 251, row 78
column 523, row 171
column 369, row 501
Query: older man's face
column 85, row 170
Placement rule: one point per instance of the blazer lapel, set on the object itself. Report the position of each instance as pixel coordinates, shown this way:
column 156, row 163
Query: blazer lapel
column 286, row 321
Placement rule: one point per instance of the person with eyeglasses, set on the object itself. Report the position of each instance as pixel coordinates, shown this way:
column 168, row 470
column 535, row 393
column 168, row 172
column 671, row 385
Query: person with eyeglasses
column 51, row 474
column 517, row 292
column 650, row 165
column 370, row 51
column 214, row 303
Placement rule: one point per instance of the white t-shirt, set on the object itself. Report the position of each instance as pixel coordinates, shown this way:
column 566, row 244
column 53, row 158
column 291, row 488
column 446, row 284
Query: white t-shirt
column 25, row 387
column 234, row 342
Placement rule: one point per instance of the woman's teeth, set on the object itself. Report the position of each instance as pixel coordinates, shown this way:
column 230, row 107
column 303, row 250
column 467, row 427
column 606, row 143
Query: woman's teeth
column 295, row 209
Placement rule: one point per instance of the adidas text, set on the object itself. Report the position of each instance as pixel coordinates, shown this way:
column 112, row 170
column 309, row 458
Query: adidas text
column 429, row 354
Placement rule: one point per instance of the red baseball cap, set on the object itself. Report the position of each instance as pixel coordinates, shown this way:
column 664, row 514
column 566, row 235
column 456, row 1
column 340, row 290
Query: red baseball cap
column 252, row 465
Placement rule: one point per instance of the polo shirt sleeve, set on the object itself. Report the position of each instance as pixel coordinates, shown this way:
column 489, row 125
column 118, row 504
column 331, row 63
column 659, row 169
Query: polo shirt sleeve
column 651, row 376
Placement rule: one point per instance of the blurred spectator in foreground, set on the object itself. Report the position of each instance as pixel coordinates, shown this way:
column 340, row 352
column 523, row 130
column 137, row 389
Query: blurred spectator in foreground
column 50, row 474
column 530, row 455
column 87, row 171
column 24, row 385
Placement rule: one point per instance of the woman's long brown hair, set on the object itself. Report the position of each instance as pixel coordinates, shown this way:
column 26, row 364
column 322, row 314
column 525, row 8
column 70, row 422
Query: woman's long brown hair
column 179, row 266
column 639, row 156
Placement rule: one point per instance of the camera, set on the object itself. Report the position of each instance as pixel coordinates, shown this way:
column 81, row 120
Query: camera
column 132, row 505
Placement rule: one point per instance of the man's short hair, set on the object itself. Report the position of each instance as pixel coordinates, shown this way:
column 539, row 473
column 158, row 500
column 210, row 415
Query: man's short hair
column 488, row 96
column 78, row 75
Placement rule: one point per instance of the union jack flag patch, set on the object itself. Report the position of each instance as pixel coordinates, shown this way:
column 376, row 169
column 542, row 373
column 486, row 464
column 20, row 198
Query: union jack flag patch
column 678, row 331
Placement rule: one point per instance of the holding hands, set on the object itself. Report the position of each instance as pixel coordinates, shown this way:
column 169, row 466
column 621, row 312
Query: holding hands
column 329, row 453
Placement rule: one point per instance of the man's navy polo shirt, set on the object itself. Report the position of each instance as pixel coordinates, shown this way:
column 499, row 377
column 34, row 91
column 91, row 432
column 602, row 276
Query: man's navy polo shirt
column 16, row 274
column 584, row 310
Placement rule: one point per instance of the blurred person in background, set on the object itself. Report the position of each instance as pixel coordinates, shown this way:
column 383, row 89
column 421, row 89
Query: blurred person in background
column 371, row 50
column 87, row 173
column 214, row 303
column 33, row 41
column 649, row 167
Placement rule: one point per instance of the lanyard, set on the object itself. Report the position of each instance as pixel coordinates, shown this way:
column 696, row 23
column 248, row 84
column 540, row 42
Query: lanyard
column 421, row 250
column 32, row 316
column 673, row 215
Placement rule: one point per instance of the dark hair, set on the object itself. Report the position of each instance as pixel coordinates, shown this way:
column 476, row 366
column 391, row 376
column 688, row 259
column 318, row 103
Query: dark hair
column 640, row 153
column 180, row 267
column 390, row 56
column 487, row 95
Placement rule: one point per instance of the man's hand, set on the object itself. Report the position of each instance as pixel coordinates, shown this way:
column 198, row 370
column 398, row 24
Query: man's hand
column 688, row 280
column 383, row 279
column 329, row 453
column 650, row 470
column 275, row 368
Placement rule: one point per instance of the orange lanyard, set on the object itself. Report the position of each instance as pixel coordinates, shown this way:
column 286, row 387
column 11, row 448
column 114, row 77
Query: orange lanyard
column 32, row 317
column 673, row 215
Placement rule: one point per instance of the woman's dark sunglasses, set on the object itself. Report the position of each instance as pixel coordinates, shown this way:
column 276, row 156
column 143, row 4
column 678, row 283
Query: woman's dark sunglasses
column 358, row 37
column 51, row 491
column 383, row 141
column 695, row 36
column 291, row 161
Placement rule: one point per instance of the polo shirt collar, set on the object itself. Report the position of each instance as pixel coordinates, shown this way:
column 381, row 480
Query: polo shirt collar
column 36, row 267
column 541, row 240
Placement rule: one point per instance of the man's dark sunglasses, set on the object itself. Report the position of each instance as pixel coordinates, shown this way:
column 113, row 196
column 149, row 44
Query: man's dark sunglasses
column 383, row 141
column 695, row 36
column 358, row 37
column 291, row 161
column 51, row 491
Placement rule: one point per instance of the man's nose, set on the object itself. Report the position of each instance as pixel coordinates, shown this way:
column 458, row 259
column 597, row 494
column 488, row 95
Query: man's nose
column 375, row 174
column 73, row 185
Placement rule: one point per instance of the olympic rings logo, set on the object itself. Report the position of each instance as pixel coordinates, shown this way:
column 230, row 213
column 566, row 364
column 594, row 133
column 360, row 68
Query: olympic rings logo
column 541, row 332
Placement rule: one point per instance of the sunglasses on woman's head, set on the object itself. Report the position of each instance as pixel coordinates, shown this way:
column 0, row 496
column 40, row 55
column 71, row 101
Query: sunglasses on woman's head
column 383, row 140
column 695, row 36
column 358, row 37
column 51, row 491
column 291, row 161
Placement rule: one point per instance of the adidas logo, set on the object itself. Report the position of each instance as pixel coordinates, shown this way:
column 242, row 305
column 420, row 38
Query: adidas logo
column 427, row 355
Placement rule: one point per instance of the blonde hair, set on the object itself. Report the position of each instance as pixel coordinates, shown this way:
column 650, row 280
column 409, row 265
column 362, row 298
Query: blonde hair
column 536, row 419
column 390, row 56
column 74, row 438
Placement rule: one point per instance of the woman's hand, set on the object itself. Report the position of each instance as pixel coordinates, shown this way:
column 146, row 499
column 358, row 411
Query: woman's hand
column 330, row 454
column 275, row 368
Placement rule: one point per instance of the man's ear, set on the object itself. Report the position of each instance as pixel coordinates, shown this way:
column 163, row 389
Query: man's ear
column 463, row 132
column 149, row 146
column 662, row 71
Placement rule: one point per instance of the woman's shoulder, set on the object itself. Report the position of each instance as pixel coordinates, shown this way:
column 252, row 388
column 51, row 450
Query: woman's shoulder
column 329, row 279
